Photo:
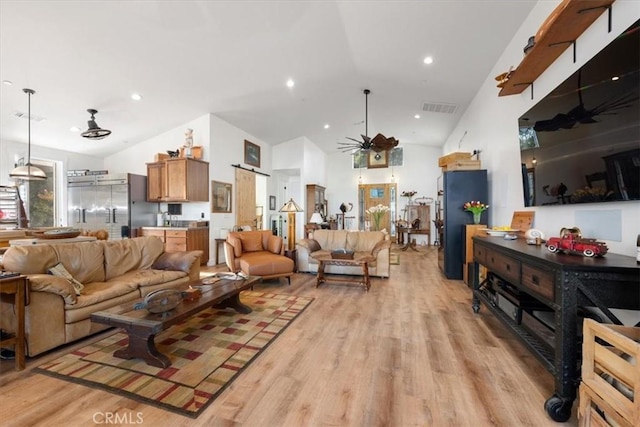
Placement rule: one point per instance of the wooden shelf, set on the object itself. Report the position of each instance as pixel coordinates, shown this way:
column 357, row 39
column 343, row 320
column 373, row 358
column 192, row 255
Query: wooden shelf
column 563, row 27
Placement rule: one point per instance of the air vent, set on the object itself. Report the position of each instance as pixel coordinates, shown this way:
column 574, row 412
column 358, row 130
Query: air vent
column 21, row 115
column 439, row 107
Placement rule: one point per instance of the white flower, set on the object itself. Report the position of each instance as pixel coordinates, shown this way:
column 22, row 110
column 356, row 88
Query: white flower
column 378, row 210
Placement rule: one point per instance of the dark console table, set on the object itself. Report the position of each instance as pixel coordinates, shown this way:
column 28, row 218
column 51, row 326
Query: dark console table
column 533, row 279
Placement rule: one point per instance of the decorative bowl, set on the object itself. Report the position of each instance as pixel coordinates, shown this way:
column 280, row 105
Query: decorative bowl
column 498, row 233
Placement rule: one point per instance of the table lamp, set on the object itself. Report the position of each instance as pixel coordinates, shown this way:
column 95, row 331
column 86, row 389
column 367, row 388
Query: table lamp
column 316, row 218
column 291, row 208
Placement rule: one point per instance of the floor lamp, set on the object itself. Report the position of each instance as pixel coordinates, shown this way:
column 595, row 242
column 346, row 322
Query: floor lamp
column 291, row 208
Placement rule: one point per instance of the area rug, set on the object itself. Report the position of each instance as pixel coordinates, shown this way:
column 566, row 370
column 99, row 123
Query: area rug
column 394, row 258
column 207, row 352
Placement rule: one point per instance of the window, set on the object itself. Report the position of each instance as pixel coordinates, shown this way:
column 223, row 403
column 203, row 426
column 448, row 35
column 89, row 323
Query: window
column 39, row 197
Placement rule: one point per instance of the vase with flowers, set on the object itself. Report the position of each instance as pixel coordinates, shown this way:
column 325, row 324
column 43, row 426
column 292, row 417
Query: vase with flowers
column 476, row 208
column 376, row 213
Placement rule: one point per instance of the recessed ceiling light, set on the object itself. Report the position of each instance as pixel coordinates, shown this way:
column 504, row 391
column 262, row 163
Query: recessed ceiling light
column 136, row 96
column 417, row 116
column 326, row 126
column 75, row 129
column 614, row 78
column 7, row 82
column 290, row 83
column 428, row 60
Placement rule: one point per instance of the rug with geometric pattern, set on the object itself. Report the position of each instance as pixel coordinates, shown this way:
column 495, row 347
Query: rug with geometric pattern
column 207, row 352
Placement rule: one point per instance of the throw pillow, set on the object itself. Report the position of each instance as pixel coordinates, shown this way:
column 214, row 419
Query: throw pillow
column 59, row 270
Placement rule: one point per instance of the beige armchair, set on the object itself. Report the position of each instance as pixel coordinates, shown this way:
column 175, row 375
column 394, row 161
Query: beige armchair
column 257, row 253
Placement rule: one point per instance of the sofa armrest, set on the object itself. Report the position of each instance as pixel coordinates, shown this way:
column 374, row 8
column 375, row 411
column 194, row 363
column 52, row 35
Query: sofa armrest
column 310, row 245
column 230, row 257
column 382, row 244
column 53, row 285
column 187, row 261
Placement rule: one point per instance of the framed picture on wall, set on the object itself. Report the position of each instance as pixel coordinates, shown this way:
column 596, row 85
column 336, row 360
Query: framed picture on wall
column 220, row 197
column 272, row 203
column 378, row 160
column 251, row 153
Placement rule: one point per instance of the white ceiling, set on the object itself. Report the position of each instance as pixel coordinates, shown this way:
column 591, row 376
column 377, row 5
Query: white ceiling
column 232, row 59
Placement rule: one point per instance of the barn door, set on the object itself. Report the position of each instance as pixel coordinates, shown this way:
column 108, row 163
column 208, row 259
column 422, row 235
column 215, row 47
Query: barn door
column 245, row 198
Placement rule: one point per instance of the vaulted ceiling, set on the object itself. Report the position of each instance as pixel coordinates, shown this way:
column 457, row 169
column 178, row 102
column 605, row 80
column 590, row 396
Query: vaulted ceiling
column 233, row 58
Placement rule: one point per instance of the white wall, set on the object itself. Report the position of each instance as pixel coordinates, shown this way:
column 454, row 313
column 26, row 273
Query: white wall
column 419, row 172
column 223, row 145
column 491, row 123
column 11, row 151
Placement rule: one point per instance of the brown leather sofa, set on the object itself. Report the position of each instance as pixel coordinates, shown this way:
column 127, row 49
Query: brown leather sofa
column 112, row 272
column 257, row 253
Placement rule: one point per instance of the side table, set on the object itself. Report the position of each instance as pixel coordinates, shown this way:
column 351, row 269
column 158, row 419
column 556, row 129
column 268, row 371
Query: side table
column 218, row 243
column 293, row 254
column 18, row 287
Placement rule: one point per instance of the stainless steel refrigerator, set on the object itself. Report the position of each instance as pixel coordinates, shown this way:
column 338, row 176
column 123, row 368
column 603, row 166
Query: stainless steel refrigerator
column 115, row 202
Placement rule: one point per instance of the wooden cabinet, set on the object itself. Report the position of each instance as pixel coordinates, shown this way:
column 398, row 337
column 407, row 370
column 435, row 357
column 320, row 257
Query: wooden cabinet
column 547, row 294
column 470, row 230
column 156, row 182
column 182, row 239
column 315, row 201
column 423, row 213
column 178, row 180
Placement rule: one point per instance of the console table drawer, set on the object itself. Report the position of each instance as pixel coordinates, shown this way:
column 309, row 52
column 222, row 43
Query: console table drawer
column 479, row 254
column 503, row 266
column 539, row 281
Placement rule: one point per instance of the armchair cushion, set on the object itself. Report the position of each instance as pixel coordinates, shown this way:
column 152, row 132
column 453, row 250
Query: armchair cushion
column 251, row 242
column 274, row 244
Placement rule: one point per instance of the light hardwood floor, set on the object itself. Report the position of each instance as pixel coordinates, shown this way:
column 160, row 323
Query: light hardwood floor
column 411, row 352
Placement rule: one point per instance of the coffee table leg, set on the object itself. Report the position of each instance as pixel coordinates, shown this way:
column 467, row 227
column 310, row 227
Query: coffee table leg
column 143, row 347
column 234, row 303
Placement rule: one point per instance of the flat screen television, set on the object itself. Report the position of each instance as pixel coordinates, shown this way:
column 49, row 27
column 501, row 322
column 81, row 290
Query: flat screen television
column 581, row 142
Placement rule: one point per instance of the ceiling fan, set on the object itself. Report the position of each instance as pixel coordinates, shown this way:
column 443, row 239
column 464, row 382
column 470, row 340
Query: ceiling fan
column 378, row 143
column 579, row 114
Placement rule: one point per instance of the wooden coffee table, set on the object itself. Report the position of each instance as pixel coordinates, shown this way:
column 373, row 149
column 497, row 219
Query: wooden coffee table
column 363, row 262
column 142, row 326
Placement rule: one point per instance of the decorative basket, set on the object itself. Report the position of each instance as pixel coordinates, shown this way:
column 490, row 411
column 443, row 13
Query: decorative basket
column 342, row 254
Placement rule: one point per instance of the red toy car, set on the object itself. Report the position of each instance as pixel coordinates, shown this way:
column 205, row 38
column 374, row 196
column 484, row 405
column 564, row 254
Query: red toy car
column 572, row 244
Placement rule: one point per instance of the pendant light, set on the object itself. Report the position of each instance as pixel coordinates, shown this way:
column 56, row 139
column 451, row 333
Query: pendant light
column 28, row 172
column 94, row 131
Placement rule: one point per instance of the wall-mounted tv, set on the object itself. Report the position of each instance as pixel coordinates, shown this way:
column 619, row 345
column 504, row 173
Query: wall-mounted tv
column 587, row 132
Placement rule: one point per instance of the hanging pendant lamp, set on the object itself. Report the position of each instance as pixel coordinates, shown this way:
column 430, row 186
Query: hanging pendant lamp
column 94, row 131
column 28, row 172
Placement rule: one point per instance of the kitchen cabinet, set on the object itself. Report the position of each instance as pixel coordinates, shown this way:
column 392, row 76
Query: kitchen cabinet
column 178, row 180
column 177, row 239
column 156, row 182
column 547, row 294
column 315, row 201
